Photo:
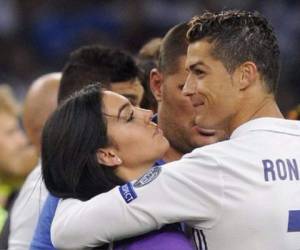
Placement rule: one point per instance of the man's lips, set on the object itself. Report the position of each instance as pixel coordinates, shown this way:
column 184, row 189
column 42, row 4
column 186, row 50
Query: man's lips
column 197, row 102
column 206, row 132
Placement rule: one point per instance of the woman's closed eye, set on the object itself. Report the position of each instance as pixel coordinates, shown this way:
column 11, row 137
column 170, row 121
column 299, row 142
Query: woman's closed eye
column 131, row 116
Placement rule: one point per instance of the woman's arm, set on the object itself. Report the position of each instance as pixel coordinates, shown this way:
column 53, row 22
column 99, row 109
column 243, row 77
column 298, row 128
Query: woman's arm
column 185, row 190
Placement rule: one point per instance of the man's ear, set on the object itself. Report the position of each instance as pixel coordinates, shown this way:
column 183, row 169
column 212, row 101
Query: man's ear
column 156, row 80
column 108, row 157
column 247, row 74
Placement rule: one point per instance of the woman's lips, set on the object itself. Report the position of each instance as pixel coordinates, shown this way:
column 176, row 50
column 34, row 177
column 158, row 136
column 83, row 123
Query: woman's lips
column 157, row 131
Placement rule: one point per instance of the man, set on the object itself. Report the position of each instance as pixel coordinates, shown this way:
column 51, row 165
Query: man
column 95, row 63
column 42, row 92
column 147, row 59
column 176, row 116
column 40, row 102
column 242, row 193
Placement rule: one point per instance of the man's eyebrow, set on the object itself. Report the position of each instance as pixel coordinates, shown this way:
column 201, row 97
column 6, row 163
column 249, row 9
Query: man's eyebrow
column 124, row 106
column 191, row 67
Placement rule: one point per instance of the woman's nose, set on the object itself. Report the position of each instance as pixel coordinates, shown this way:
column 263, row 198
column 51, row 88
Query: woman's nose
column 144, row 115
column 147, row 115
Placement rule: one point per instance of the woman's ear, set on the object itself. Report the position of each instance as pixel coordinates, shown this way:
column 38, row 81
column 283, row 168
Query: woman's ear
column 108, row 157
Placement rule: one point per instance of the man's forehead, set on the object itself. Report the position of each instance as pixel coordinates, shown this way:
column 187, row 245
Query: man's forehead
column 132, row 90
column 133, row 84
column 197, row 53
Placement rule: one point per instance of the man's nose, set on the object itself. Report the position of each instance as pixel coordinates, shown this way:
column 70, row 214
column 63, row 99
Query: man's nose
column 189, row 87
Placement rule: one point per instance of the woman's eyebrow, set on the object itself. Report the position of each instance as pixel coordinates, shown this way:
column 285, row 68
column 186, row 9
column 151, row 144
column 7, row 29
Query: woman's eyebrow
column 125, row 105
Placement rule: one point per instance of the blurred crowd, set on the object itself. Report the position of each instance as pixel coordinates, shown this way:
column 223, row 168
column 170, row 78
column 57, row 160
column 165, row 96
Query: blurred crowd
column 36, row 36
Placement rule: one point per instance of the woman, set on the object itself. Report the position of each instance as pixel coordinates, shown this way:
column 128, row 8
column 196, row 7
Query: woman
column 96, row 140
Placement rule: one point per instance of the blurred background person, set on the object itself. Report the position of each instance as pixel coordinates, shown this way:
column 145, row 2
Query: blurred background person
column 40, row 102
column 17, row 156
column 114, row 68
column 147, row 59
column 150, row 50
column 294, row 113
column 43, row 92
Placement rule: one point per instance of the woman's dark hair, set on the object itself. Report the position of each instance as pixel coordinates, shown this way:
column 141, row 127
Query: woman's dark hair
column 70, row 140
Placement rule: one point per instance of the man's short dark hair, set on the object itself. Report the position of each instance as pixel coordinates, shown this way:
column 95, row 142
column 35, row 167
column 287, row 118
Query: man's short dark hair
column 173, row 45
column 237, row 37
column 96, row 63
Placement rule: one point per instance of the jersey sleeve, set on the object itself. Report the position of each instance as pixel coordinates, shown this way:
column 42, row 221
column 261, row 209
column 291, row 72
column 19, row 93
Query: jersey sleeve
column 189, row 190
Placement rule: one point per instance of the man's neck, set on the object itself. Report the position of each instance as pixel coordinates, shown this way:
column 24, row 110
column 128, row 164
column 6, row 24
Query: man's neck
column 267, row 107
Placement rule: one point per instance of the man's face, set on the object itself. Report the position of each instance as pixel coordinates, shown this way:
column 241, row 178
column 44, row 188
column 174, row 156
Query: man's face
column 177, row 115
column 213, row 91
column 13, row 143
column 132, row 90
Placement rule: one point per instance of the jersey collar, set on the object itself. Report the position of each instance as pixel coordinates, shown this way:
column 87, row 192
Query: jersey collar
column 268, row 124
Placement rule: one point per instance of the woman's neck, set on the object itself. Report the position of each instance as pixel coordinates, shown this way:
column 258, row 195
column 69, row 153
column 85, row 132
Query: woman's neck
column 133, row 172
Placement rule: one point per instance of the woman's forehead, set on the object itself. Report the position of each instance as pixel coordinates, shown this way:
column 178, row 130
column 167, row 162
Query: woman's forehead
column 113, row 101
column 110, row 95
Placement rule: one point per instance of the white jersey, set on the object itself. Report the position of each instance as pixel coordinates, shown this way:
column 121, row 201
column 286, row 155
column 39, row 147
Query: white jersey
column 26, row 211
column 243, row 193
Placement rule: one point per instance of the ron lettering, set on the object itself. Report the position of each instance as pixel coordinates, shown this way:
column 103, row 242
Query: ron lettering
column 280, row 169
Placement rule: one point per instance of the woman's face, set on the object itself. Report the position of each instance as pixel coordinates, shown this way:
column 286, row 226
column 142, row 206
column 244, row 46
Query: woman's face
column 137, row 141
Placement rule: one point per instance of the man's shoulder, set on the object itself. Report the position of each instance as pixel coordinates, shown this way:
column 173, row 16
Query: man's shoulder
column 212, row 150
column 270, row 124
